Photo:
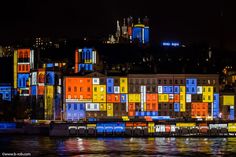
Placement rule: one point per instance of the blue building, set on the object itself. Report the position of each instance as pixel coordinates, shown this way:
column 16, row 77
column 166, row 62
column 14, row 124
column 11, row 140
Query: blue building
column 6, row 92
column 140, row 32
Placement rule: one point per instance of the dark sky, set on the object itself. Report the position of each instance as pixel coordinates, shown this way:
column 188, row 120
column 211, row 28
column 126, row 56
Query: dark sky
column 184, row 20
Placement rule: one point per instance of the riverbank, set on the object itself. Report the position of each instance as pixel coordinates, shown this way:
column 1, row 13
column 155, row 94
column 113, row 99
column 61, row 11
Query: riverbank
column 137, row 129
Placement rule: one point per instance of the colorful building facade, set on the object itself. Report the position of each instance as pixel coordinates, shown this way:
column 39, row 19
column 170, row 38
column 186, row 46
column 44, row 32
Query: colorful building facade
column 46, row 90
column 157, row 96
column 85, row 59
column 23, row 63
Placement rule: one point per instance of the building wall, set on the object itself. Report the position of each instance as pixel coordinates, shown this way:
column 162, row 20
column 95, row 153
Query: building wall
column 156, row 95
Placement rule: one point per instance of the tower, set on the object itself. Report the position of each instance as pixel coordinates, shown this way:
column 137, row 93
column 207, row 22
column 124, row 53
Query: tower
column 124, row 30
column 117, row 30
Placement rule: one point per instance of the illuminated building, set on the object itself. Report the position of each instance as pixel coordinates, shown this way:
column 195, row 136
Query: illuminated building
column 85, row 59
column 228, row 105
column 140, row 32
column 131, row 32
column 23, row 63
column 157, row 96
column 46, row 89
column 6, row 92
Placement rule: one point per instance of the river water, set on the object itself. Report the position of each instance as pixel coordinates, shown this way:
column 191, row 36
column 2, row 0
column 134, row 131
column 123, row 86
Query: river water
column 73, row 146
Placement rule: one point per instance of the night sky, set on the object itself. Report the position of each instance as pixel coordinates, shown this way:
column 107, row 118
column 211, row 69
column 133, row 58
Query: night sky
column 187, row 21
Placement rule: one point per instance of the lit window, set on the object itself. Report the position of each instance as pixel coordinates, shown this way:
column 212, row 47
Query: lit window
column 209, row 97
column 81, row 107
column 123, row 89
column 209, row 89
column 75, row 106
column 209, row 81
column 192, row 81
column 187, row 81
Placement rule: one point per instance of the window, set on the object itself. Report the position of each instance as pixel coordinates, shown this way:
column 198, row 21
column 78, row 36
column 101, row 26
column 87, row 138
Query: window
column 203, row 98
column 21, row 55
column 75, row 106
column 209, row 89
column 123, row 89
column 159, row 81
column 81, row 107
column 153, row 89
column 192, row 89
column 193, row 81
column 81, row 89
column 176, row 81
column 26, row 68
column 88, row 89
column 75, row 89
column 165, row 97
column 170, row 81
column 26, row 55
column 95, row 106
column 214, row 82
column 69, row 89
column 187, row 81
column 164, row 81
column 95, row 89
column 23, row 67
column 209, row 81
column 209, row 97
column 203, row 81
column 198, row 89
column 109, row 89
column 19, row 67
column 69, row 106
column 153, row 106
column 187, row 89
column 181, row 82
column 116, row 97
column 198, row 81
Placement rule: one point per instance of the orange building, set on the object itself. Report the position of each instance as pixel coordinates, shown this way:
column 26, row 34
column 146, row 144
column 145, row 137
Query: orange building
column 199, row 109
column 78, row 88
column 152, row 102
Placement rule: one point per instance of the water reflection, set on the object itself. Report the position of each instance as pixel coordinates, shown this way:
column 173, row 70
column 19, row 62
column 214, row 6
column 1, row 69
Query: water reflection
column 40, row 145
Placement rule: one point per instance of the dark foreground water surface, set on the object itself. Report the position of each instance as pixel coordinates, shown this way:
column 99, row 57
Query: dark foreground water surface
column 49, row 146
